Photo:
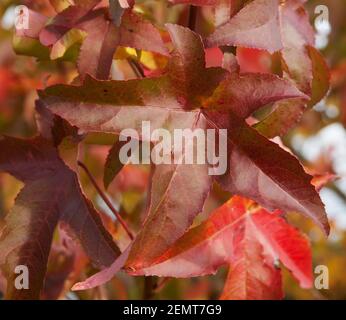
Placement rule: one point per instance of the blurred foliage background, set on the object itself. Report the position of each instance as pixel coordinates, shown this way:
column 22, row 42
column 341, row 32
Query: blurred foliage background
column 319, row 141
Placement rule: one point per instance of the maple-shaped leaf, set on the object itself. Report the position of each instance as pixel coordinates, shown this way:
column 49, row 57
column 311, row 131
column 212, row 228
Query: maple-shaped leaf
column 283, row 27
column 259, row 25
column 51, row 193
column 246, row 93
column 95, row 57
column 181, row 87
column 272, row 26
column 99, row 31
column 189, row 96
column 64, row 21
column 287, row 113
column 248, row 238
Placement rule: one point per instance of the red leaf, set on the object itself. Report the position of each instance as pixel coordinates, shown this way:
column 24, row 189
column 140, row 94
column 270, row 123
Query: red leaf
column 257, row 25
column 104, row 35
column 105, row 275
column 261, row 170
column 274, row 26
column 246, row 93
column 248, row 238
column 287, row 113
column 134, row 33
column 51, row 193
column 174, row 101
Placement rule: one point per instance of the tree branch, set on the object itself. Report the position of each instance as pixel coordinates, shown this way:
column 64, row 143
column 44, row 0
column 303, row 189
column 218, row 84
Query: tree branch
column 106, row 200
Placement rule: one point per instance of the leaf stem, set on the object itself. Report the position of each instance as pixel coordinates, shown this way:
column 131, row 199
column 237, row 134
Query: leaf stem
column 106, row 200
column 192, row 17
column 136, row 68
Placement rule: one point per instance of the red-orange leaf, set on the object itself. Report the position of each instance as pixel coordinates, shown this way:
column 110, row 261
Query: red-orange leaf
column 173, row 101
column 248, row 238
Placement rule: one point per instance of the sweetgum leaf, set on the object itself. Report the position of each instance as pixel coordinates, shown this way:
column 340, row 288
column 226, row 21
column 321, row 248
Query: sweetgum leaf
column 284, row 27
column 105, row 275
column 180, row 99
column 321, row 77
column 62, row 23
column 287, row 113
column 246, row 93
column 105, row 31
column 249, row 239
column 284, row 115
column 261, row 170
column 171, row 209
column 181, row 87
column 95, row 57
column 51, row 193
column 252, row 273
column 273, row 26
column 134, row 30
column 257, row 25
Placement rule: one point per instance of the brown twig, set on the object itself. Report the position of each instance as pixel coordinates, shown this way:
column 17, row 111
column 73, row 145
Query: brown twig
column 106, row 200
column 192, row 17
column 136, row 68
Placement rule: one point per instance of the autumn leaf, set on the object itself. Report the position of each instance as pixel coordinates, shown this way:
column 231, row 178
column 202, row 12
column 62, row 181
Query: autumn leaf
column 64, row 21
column 269, row 25
column 105, row 275
column 261, row 170
column 259, row 24
column 248, row 238
column 246, row 93
column 51, row 194
column 241, row 74
column 96, row 56
column 286, row 114
column 103, row 35
column 110, row 106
